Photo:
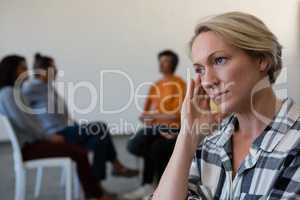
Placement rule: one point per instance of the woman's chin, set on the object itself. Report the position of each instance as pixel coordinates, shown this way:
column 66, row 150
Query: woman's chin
column 226, row 107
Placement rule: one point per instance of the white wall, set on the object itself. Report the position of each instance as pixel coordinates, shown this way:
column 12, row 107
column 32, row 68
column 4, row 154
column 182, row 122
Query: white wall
column 87, row 36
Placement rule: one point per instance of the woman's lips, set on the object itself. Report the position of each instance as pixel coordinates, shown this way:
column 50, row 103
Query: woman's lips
column 218, row 96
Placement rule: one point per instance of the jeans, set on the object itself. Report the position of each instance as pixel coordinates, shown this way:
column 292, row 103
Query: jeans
column 154, row 149
column 45, row 149
column 95, row 137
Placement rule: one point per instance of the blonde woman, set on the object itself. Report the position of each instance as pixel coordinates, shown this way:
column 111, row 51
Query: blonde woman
column 255, row 153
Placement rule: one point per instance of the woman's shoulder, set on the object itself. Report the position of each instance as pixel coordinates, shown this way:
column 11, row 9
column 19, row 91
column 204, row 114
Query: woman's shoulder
column 288, row 126
column 6, row 92
column 6, row 98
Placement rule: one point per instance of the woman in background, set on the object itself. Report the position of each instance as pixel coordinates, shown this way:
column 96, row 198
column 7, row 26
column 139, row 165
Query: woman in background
column 53, row 116
column 35, row 144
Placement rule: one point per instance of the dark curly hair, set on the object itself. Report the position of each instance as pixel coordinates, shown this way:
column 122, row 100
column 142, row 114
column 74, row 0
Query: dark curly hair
column 8, row 69
column 172, row 55
column 42, row 61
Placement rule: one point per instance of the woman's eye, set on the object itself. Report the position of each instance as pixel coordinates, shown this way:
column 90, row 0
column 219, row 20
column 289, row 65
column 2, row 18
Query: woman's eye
column 220, row 60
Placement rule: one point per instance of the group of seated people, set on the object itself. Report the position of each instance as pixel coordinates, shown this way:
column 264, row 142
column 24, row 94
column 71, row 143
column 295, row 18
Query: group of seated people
column 230, row 138
column 45, row 129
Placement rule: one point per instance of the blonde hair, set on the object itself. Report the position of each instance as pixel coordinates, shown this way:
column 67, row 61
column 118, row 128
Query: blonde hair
column 248, row 33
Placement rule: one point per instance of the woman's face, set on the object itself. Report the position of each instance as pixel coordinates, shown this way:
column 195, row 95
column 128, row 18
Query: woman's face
column 227, row 73
column 22, row 70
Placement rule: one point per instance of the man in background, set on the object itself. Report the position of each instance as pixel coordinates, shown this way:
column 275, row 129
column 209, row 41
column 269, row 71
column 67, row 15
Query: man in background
column 161, row 116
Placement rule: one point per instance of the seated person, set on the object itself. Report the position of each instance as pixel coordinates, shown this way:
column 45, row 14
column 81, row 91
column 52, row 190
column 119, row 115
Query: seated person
column 155, row 142
column 35, row 144
column 255, row 153
column 53, row 117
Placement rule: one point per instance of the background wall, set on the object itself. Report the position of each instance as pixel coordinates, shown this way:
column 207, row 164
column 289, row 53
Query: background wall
column 89, row 36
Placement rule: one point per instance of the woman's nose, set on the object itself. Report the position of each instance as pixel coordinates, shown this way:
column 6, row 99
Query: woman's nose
column 210, row 79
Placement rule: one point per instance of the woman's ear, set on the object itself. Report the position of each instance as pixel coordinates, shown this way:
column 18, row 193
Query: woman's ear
column 264, row 64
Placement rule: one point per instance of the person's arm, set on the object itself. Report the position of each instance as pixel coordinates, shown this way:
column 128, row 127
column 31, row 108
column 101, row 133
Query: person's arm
column 147, row 116
column 160, row 116
column 149, row 101
column 20, row 118
column 23, row 120
column 56, row 138
column 174, row 182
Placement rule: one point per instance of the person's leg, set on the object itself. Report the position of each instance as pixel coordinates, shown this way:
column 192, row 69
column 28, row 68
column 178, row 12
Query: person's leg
column 161, row 151
column 140, row 145
column 99, row 134
column 94, row 137
column 44, row 149
column 98, row 139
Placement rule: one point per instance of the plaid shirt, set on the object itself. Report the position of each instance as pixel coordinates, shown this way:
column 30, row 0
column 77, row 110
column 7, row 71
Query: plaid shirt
column 270, row 171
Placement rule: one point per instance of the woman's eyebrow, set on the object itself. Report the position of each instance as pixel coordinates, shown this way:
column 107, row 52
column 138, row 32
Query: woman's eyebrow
column 198, row 64
column 213, row 54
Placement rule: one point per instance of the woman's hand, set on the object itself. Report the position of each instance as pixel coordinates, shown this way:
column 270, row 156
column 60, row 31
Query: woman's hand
column 167, row 135
column 57, row 139
column 147, row 119
column 197, row 120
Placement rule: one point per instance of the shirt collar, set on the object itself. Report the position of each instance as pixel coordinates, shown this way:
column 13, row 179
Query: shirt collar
column 280, row 125
column 272, row 134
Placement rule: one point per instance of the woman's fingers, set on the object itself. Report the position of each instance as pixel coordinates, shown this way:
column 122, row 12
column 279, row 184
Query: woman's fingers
column 199, row 91
column 200, row 98
column 198, row 85
column 191, row 88
column 186, row 107
column 198, row 79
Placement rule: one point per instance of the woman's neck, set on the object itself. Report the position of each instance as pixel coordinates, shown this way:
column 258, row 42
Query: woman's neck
column 259, row 113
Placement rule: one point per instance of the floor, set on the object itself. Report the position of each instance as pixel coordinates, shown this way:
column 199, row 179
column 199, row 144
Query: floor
column 51, row 188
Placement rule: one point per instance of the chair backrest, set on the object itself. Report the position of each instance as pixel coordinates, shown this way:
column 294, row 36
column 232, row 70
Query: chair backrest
column 8, row 129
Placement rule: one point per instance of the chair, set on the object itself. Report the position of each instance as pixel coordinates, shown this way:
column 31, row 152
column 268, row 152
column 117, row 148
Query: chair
column 76, row 182
column 21, row 166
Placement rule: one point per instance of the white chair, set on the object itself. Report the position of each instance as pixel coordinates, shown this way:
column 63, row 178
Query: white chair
column 76, row 183
column 20, row 167
column 75, row 178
